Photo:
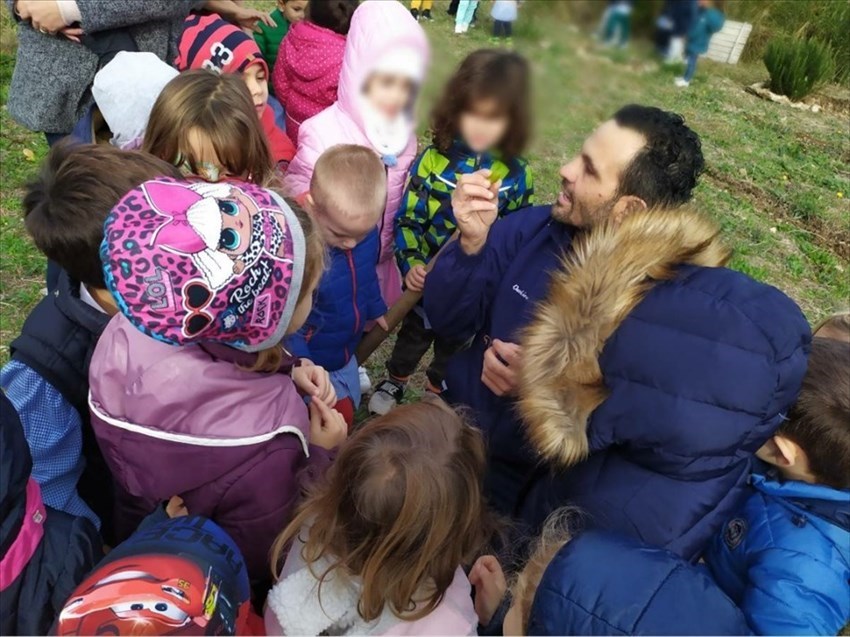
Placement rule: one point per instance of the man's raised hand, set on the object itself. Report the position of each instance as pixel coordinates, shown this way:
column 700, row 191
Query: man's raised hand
column 475, row 203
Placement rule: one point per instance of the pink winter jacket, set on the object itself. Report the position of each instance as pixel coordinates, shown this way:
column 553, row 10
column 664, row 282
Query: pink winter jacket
column 306, row 73
column 378, row 29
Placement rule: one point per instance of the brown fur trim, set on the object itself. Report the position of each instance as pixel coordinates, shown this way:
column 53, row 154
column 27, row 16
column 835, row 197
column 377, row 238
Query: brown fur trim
column 606, row 275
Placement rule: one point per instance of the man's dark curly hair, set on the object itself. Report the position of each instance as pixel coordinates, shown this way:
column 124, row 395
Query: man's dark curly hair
column 665, row 172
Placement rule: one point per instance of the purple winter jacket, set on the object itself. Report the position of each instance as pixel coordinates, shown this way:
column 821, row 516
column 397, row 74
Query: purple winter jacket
column 185, row 421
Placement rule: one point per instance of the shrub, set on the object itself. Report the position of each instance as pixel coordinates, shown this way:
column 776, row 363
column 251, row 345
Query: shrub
column 798, row 65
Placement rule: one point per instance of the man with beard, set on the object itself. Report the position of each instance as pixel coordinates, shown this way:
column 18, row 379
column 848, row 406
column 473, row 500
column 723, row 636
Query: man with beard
column 615, row 368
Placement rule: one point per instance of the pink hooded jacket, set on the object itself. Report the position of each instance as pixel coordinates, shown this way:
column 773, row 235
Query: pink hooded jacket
column 306, row 72
column 382, row 34
column 185, row 421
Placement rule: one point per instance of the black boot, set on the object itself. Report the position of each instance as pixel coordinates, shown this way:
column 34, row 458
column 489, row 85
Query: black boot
column 427, row 14
column 415, row 13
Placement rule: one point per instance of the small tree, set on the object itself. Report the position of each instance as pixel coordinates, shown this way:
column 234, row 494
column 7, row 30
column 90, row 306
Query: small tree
column 797, row 65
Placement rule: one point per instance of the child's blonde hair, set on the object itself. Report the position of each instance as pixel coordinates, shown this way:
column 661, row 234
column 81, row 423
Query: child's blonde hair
column 270, row 359
column 220, row 107
column 401, row 509
column 836, row 327
column 558, row 530
column 350, row 179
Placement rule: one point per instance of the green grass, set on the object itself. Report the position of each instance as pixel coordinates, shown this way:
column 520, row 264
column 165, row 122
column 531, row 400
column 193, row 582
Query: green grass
column 773, row 177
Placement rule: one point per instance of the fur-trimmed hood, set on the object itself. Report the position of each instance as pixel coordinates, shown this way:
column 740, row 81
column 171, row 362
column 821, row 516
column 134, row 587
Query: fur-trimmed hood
column 609, row 271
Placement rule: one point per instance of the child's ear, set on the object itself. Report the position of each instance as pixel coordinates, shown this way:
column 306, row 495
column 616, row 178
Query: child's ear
column 780, row 452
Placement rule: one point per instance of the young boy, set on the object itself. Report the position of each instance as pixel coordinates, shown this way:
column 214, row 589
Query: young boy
column 708, row 21
column 785, row 559
column 348, row 192
column 288, row 12
column 47, row 377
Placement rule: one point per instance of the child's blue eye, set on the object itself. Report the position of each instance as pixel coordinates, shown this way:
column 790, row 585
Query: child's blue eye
column 229, row 239
column 228, row 207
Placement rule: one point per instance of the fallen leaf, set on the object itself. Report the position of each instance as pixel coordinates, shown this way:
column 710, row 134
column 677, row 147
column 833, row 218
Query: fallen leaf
column 29, row 155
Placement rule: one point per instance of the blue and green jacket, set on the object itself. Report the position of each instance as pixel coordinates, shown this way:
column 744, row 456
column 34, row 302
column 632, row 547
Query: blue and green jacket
column 425, row 220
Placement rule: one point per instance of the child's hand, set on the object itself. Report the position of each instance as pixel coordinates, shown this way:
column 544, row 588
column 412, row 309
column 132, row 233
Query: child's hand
column 328, row 428
column 382, row 323
column 315, row 382
column 175, row 507
column 415, row 278
column 490, row 585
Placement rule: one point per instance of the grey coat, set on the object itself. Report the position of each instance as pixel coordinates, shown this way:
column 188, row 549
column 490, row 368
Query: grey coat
column 51, row 83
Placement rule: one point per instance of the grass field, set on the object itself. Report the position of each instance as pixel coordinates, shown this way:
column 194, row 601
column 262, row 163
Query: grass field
column 778, row 179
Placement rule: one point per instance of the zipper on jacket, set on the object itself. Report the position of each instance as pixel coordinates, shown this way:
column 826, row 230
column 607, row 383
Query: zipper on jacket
column 349, row 254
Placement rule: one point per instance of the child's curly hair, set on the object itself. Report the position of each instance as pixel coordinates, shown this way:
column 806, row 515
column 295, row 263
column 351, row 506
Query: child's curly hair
column 401, row 509
column 486, row 75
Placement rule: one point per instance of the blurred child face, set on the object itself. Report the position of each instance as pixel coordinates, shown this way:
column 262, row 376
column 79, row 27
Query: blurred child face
column 293, row 10
column 483, row 126
column 341, row 230
column 388, row 93
column 258, row 85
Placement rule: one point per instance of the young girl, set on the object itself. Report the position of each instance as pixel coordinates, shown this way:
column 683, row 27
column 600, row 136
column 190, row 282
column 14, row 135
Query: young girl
column 504, row 14
column 204, row 123
column 208, row 42
column 385, row 58
column 191, row 392
column 306, row 73
column 378, row 547
column 482, row 121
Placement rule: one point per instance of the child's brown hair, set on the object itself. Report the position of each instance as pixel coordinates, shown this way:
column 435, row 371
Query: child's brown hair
column 401, row 509
column 820, row 419
column 270, row 359
column 332, row 14
column 486, row 74
column 220, row 107
column 351, row 179
column 66, row 205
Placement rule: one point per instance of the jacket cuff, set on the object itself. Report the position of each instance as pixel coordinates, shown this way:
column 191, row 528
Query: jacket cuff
column 70, row 11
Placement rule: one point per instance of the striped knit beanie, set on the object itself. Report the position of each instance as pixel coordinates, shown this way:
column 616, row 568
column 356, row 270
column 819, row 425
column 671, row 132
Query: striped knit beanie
column 209, row 42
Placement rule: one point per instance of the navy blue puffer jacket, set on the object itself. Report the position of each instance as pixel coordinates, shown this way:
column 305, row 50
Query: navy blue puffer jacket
column 605, row 584
column 348, row 298
column 651, row 377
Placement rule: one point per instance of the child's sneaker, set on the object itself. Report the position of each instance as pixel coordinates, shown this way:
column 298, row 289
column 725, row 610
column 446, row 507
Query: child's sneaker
column 365, row 381
column 387, row 396
column 415, row 14
column 458, row 29
column 426, row 15
column 682, row 82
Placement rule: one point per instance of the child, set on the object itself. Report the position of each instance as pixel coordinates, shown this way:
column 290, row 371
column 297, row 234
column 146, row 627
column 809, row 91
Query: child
column 785, row 557
column 617, row 22
column 268, row 38
column 306, row 75
column 378, row 547
column 421, row 5
column 601, row 583
column 47, row 376
column 347, row 195
column 708, row 21
column 125, row 91
column 482, row 121
column 204, row 123
column 504, row 14
column 45, row 552
column 385, row 58
column 176, row 575
column 208, row 42
column 465, row 12
column 191, row 391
